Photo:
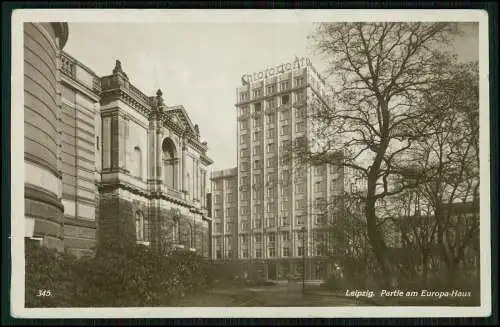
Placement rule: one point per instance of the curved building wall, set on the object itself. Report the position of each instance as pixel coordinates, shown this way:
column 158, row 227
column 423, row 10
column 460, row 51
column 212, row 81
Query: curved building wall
column 43, row 208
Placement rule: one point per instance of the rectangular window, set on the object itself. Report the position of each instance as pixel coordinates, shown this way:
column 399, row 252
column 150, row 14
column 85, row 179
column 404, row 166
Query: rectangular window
column 285, row 130
column 256, row 150
column 244, row 125
column 317, row 186
column 244, row 110
column 284, row 116
column 285, row 221
column 300, row 127
column 271, row 89
column 256, row 136
column 258, row 253
column 257, row 121
column 300, row 95
column 300, row 251
column 286, row 251
column 300, row 188
column 270, row 222
column 244, row 225
column 243, row 96
column 243, row 210
column 245, row 253
column 270, row 133
column 300, row 220
column 285, row 236
column 300, row 204
column 257, row 92
column 299, row 113
column 270, row 147
column 320, row 219
column 285, row 99
column 319, row 203
column 270, row 206
column 299, row 81
column 271, row 238
column 244, row 166
column 272, row 252
column 257, row 107
column 271, row 104
column 283, row 85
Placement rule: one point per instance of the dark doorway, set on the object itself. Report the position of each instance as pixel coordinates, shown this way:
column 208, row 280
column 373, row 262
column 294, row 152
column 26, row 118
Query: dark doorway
column 271, row 271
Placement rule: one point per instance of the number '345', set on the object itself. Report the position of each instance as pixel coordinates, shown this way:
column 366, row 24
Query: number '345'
column 44, row 293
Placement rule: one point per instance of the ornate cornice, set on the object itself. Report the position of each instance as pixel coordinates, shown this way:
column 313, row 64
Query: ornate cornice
column 122, row 94
column 111, row 186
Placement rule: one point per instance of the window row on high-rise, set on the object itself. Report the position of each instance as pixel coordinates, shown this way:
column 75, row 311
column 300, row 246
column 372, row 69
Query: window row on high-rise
column 272, row 103
column 271, row 89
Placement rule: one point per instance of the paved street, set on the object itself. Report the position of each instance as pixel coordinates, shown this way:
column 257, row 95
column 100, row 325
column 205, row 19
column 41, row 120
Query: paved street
column 284, row 295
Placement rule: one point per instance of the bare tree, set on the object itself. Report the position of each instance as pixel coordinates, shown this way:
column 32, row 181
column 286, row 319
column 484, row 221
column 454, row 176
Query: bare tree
column 380, row 72
column 449, row 157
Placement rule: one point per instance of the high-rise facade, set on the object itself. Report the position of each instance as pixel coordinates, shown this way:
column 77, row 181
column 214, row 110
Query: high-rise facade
column 224, row 213
column 105, row 164
column 283, row 224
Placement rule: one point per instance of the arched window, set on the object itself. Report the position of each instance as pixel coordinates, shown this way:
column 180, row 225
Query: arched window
column 137, row 170
column 170, row 162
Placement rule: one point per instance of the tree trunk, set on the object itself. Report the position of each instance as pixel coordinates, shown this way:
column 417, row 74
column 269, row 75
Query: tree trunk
column 425, row 268
column 379, row 247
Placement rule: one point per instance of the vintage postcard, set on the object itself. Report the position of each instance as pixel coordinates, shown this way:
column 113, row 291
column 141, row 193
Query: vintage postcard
column 274, row 163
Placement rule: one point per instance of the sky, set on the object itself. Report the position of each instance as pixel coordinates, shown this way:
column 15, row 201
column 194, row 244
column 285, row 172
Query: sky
column 199, row 65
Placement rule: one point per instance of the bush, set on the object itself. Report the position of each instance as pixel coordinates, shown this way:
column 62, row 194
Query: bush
column 48, row 277
column 133, row 277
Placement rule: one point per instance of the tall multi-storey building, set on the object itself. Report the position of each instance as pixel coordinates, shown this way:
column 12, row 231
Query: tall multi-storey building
column 224, row 212
column 105, row 163
column 283, row 222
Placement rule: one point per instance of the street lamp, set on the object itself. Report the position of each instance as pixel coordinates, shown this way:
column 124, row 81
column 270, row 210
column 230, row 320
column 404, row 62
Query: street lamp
column 303, row 230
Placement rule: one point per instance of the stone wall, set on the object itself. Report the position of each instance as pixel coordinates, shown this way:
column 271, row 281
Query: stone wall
column 41, row 135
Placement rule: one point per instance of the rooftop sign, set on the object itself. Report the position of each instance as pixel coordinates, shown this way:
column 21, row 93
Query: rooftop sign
column 296, row 64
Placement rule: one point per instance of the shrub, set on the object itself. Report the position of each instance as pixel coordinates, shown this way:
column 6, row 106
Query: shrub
column 130, row 277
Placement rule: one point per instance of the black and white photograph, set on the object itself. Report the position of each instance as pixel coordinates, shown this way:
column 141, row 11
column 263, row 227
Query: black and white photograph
column 275, row 163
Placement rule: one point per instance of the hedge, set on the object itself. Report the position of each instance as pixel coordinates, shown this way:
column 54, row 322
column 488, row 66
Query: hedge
column 135, row 277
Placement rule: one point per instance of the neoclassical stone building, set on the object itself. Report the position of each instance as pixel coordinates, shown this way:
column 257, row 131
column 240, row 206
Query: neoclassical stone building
column 106, row 164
